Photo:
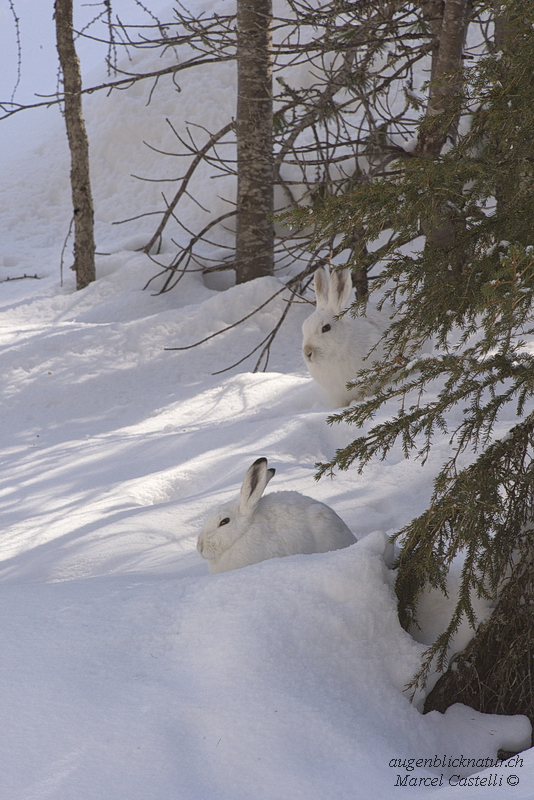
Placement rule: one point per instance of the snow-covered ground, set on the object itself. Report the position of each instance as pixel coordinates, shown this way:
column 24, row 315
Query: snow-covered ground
column 127, row 671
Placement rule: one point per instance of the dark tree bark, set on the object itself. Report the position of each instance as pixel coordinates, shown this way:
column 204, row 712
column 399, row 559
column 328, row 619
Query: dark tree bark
column 448, row 23
column 254, row 128
column 82, row 201
column 445, row 72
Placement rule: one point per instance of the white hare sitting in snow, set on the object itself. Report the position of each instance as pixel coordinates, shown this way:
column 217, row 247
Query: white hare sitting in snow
column 335, row 349
column 254, row 528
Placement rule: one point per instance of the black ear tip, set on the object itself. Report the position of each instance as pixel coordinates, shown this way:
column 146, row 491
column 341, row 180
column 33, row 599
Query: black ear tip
column 259, row 461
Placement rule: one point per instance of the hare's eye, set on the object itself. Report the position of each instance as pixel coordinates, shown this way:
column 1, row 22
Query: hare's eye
column 224, row 521
column 326, row 328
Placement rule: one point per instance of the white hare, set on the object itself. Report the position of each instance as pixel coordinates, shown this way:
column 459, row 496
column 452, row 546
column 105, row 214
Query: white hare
column 254, row 528
column 335, row 349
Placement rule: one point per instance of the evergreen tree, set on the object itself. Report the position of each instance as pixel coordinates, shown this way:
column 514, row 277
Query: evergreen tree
column 472, row 293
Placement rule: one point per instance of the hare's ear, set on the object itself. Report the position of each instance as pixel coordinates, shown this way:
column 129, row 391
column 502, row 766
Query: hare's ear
column 320, row 282
column 256, row 479
column 339, row 290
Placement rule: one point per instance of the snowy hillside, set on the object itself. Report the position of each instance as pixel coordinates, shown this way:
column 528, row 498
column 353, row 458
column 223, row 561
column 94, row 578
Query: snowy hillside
column 127, row 671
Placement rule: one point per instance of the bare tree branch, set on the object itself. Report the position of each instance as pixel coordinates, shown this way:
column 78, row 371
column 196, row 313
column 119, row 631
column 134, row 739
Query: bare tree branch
column 185, row 181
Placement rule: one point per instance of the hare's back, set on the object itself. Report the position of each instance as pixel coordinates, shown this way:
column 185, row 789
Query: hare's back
column 308, row 524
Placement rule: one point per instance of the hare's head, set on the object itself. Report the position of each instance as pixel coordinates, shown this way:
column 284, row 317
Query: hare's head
column 325, row 337
column 232, row 520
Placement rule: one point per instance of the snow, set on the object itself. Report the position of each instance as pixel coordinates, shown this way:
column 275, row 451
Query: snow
column 127, row 671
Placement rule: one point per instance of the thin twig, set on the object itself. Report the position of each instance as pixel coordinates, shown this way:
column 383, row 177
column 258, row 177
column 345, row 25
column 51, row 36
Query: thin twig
column 16, row 20
column 229, row 327
column 174, row 202
column 61, row 260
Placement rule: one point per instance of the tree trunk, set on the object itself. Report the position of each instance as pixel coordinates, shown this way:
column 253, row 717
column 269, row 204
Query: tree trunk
column 254, row 128
column 82, row 201
column 449, row 34
column 445, row 73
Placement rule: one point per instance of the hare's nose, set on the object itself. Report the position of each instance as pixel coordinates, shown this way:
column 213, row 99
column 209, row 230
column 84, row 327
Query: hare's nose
column 308, row 352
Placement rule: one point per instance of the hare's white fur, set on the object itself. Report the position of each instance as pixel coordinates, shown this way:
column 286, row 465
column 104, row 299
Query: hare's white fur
column 254, row 528
column 335, row 349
